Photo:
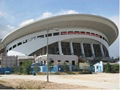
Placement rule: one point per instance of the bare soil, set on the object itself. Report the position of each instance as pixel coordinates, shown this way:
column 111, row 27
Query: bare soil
column 80, row 81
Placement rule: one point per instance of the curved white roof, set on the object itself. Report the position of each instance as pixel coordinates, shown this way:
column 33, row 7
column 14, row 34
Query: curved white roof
column 98, row 23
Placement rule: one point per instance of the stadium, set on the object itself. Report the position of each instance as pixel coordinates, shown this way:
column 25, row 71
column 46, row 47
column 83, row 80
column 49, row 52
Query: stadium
column 66, row 38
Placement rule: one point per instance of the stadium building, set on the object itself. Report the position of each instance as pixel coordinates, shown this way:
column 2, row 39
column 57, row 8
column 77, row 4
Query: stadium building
column 69, row 38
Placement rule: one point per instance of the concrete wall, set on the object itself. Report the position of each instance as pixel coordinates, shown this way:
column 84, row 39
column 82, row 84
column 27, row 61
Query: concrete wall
column 11, row 61
column 56, row 58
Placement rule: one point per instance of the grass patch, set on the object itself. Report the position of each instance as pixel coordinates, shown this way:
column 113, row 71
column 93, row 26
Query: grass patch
column 33, row 84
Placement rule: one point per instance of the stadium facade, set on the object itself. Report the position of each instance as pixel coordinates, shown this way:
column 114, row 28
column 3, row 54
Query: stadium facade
column 69, row 38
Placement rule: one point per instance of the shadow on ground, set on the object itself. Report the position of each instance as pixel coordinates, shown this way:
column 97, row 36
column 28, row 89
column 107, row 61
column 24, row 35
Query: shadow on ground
column 5, row 87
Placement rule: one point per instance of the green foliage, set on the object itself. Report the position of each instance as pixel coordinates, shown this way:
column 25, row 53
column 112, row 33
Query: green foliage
column 111, row 68
column 36, row 68
column 115, row 68
column 107, row 68
column 50, row 66
column 23, row 69
column 16, row 70
column 65, row 67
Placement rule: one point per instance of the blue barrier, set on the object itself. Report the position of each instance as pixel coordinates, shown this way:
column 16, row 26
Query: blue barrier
column 43, row 68
column 5, row 70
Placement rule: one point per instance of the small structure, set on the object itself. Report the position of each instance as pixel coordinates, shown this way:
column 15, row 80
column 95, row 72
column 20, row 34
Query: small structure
column 98, row 67
column 84, row 66
column 11, row 61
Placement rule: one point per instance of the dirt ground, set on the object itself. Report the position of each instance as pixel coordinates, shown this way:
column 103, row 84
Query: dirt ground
column 82, row 81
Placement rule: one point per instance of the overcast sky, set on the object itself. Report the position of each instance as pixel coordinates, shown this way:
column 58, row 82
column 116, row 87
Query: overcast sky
column 17, row 13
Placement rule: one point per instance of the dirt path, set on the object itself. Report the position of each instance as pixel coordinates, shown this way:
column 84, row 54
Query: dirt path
column 101, row 81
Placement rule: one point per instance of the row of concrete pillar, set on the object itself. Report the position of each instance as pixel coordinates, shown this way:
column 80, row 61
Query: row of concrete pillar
column 82, row 49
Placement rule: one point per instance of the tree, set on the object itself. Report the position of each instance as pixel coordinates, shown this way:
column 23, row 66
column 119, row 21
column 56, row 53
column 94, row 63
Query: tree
column 108, row 68
column 50, row 65
column 115, row 68
column 24, row 68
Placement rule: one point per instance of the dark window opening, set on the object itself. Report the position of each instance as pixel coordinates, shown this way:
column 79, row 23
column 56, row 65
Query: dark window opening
column 10, row 48
column 73, row 62
column 87, row 50
column 42, row 51
column 50, row 34
column 100, row 36
column 52, row 61
column 66, row 48
column 55, row 34
column 97, row 50
column 14, row 46
column 59, row 60
column 104, row 39
column 53, row 48
column 19, row 43
column 97, row 67
column 40, row 36
column 77, row 49
column 21, row 63
column 67, row 61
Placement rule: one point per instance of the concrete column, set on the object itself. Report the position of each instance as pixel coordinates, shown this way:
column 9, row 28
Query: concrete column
column 18, row 62
column 93, row 53
column 71, row 48
column 101, row 47
column 60, row 48
column 82, row 49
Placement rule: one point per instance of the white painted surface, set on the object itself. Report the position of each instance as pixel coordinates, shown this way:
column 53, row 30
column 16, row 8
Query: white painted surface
column 34, row 43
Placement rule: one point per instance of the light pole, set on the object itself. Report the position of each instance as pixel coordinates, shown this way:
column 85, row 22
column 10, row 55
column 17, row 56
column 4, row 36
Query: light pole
column 47, row 52
column 47, row 58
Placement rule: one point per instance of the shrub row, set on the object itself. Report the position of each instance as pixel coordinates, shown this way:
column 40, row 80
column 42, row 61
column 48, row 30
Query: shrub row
column 111, row 68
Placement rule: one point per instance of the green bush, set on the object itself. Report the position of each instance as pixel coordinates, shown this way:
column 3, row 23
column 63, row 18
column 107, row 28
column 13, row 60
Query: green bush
column 23, row 69
column 65, row 67
column 108, row 68
column 115, row 68
column 17, row 70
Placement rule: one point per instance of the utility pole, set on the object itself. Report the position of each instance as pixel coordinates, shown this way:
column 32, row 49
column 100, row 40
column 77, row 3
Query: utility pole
column 47, row 58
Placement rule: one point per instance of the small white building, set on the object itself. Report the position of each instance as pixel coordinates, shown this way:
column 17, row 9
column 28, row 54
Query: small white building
column 98, row 67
